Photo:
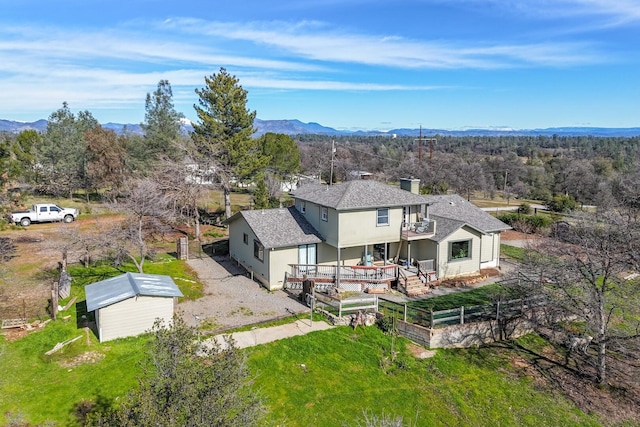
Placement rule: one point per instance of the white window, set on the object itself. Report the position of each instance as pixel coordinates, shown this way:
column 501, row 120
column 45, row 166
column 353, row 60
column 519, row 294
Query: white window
column 324, row 213
column 383, row 216
column 460, row 250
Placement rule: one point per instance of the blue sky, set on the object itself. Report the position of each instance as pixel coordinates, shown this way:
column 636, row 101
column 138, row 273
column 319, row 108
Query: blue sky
column 348, row 64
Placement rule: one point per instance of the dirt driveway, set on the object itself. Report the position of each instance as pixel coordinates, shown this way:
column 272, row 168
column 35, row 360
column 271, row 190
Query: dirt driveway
column 232, row 299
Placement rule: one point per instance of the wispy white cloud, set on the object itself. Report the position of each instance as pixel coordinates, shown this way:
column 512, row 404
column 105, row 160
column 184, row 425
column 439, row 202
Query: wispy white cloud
column 312, row 41
column 115, row 67
column 603, row 13
column 78, row 45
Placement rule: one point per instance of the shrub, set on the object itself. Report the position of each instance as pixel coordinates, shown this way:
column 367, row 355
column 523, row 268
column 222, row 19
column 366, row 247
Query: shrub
column 386, row 324
column 524, row 208
column 561, row 203
column 525, row 223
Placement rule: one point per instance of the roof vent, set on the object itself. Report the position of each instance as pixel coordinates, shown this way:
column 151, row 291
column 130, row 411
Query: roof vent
column 452, row 204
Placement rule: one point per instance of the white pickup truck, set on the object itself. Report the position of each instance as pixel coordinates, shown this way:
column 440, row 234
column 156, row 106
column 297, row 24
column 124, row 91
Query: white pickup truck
column 43, row 212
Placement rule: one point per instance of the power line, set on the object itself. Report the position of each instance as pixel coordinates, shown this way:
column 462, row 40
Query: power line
column 374, row 155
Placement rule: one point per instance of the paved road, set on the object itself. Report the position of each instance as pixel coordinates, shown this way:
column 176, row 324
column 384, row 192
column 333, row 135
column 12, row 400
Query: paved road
column 510, row 208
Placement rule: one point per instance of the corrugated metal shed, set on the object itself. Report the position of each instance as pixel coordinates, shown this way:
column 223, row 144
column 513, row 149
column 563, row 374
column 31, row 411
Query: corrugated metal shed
column 120, row 288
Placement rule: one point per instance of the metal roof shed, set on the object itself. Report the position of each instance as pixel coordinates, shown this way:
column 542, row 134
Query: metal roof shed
column 129, row 304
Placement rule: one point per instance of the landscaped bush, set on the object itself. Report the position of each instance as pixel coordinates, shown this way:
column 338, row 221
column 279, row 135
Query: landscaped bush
column 525, row 223
column 561, row 203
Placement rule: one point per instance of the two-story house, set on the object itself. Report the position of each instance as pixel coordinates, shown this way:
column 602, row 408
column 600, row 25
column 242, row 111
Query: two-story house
column 358, row 234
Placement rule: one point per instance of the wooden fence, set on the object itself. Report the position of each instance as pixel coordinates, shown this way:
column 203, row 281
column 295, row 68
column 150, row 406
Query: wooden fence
column 457, row 316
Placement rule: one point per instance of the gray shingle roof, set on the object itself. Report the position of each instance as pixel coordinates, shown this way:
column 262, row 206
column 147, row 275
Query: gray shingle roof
column 277, row 228
column 125, row 286
column 357, row 194
column 444, row 227
column 454, row 207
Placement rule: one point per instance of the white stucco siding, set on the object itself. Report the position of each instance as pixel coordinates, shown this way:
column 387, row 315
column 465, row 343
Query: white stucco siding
column 326, row 254
column 243, row 252
column 328, row 229
column 133, row 316
column 422, row 250
column 238, row 249
column 279, row 260
column 454, row 267
column 490, row 250
column 361, row 227
column 312, row 214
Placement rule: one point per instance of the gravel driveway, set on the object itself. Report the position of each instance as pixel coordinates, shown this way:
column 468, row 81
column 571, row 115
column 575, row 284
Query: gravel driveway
column 232, row 299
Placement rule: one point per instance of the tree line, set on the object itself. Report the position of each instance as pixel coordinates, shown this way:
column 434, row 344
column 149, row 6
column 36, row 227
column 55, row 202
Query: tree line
column 589, row 170
column 76, row 155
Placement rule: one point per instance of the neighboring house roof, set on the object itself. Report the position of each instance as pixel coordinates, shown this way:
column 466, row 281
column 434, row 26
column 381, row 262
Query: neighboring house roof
column 358, row 194
column 120, row 288
column 454, row 207
column 277, row 228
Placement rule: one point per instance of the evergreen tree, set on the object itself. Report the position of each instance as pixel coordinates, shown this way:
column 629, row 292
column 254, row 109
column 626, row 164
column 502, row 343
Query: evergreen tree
column 283, row 153
column 23, row 155
column 105, row 159
column 162, row 125
column 61, row 155
column 223, row 134
column 187, row 384
column 260, row 195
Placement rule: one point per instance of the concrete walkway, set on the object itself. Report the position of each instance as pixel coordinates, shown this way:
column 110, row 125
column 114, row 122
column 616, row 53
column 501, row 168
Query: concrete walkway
column 259, row 336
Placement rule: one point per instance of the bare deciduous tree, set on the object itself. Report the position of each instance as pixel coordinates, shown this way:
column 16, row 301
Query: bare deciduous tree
column 148, row 211
column 586, row 278
column 177, row 184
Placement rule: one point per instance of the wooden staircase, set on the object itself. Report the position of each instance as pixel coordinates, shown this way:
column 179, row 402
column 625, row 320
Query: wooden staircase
column 413, row 286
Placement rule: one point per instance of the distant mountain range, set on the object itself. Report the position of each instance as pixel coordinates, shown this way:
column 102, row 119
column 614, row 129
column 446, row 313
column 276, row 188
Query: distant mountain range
column 296, row 127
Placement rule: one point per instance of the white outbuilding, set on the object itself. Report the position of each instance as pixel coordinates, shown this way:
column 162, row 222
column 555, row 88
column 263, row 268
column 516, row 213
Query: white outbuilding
column 129, row 304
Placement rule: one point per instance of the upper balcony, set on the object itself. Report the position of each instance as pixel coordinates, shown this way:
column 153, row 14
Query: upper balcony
column 418, row 230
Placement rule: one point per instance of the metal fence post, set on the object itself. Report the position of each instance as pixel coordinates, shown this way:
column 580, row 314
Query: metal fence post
column 462, row 315
column 405, row 313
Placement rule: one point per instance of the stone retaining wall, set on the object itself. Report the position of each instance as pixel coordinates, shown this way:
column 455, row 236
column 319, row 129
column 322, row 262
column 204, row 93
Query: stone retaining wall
column 465, row 335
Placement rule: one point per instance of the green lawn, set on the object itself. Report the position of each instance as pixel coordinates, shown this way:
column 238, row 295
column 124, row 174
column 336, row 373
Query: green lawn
column 347, row 372
column 514, row 252
column 478, row 296
column 39, row 388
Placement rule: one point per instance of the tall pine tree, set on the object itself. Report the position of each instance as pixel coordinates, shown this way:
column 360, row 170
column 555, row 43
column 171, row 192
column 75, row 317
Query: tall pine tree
column 162, row 124
column 223, row 134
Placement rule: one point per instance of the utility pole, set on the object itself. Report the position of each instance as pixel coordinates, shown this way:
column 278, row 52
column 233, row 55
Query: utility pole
column 333, row 150
column 504, row 188
column 431, row 141
column 420, row 147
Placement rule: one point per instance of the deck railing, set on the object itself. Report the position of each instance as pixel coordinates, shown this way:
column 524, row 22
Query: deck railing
column 418, row 230
column 353, row 272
